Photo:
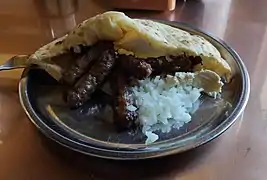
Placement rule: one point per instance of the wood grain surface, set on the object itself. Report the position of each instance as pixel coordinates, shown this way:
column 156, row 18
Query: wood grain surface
column 239, row 154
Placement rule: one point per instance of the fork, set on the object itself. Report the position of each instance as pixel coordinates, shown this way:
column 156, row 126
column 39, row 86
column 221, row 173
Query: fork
column 15, row 62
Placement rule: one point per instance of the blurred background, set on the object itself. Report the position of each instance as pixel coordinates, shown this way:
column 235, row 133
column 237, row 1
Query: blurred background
column 39, row 21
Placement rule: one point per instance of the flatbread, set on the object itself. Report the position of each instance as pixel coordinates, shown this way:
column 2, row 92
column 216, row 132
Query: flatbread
column 141, row 38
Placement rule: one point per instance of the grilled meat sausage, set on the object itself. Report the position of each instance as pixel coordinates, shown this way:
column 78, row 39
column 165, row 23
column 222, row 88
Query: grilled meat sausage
column 84, row 62
column 123, row 97
column 173, row 64
column 134, row 67
column 92, row 79
column 142, row 68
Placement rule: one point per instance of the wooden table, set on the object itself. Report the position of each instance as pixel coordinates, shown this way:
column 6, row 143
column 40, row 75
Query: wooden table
column 238, row 154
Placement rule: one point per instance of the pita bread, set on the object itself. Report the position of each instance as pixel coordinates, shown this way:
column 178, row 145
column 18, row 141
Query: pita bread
column 141, row 38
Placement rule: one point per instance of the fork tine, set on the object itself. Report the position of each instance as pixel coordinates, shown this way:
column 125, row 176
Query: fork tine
column 15, row 62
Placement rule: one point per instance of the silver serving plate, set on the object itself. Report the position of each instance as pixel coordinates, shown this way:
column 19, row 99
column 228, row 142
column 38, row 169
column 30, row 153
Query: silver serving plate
column 88, row 129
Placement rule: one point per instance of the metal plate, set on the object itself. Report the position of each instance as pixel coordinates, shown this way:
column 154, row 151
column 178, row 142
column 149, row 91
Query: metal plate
column 89, row 131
